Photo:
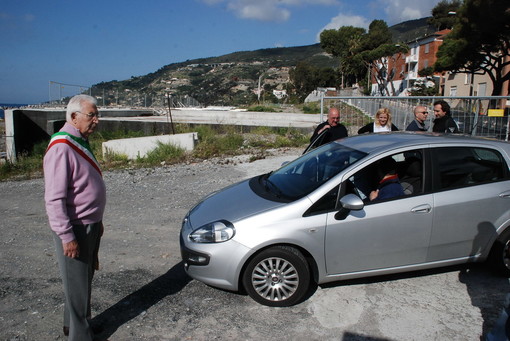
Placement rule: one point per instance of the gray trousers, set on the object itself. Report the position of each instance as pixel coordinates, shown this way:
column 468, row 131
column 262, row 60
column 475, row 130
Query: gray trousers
column 77, row 276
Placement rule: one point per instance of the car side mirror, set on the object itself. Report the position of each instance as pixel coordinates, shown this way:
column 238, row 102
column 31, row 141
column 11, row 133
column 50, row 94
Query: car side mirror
column 348, row 203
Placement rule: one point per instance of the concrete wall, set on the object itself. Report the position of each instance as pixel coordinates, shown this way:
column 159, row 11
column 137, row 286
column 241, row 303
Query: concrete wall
column 137, row 147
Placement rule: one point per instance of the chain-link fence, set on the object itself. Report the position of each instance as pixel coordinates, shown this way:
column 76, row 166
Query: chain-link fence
column 476, row 116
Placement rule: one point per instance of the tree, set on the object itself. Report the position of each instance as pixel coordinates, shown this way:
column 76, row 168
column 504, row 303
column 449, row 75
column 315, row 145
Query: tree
column 443, row 14
column 479, row 42
column 377, row 52
column 360, row 51
column 345, row 43
column 306, row 78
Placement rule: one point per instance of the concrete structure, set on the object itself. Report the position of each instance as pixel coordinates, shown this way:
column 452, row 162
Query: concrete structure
column 138, row 147
column 27, row 127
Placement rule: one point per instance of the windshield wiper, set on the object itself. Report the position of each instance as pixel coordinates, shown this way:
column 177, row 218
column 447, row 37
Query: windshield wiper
column 277, row 191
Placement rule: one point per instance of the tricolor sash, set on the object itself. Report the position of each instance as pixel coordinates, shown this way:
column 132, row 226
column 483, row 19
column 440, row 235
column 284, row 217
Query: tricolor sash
column 78, row 144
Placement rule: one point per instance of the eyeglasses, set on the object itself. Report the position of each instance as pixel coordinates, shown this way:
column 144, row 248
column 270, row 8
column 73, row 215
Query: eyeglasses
column 423, row 112
column 90, row 115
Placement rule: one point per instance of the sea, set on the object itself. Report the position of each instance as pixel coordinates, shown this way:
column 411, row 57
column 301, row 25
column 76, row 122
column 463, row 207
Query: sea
column 8, row 106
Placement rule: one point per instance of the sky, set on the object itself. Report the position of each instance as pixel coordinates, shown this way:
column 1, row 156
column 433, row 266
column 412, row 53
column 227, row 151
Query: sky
column 53, row 48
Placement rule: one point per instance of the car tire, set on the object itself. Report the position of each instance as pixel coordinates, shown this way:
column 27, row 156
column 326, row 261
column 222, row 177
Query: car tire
column 499, row 256
column 277, row 277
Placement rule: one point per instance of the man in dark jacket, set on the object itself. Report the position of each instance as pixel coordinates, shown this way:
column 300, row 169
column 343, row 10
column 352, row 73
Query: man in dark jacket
column 420, row 116
column 335, row 130
column 443, row 123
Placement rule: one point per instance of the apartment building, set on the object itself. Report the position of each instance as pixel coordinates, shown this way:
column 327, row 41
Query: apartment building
column 403, row 69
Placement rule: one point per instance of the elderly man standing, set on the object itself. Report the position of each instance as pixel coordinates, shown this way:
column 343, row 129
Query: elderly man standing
column 75, row 197
column 335, row 130
column 420, row 115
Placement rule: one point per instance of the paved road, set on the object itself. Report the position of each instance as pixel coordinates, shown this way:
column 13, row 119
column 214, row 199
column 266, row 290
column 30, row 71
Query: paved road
column 141, row 292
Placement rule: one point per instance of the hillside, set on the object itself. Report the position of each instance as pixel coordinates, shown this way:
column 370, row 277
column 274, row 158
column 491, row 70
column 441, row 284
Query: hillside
column 223, row 80
column 410, row 30
column 231, row 79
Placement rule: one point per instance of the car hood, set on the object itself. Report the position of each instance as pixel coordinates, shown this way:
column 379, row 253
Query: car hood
column 231, row 203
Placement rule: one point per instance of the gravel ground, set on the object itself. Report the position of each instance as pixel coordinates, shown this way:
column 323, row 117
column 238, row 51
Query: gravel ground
column 142, row 293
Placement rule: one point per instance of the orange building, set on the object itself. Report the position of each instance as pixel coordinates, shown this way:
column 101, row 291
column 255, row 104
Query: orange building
column 403, row 68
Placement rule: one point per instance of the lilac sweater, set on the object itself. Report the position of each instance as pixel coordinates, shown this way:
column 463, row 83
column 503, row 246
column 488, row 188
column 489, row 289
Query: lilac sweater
column 75, row 192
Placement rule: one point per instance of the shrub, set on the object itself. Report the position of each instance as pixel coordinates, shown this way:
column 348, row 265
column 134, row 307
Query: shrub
column 164, row 152
column 312, row 108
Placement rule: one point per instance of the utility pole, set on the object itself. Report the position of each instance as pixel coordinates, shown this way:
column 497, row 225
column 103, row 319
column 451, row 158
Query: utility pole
column 169, row 117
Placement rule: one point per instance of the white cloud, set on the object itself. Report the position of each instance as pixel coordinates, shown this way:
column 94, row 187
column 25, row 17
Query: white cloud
column 397, row 11
column 267, row 10
column 391, row 11
column 344, row 20
column 261, row 10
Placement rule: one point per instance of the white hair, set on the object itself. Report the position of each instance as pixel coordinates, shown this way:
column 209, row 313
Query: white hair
column 76, row 104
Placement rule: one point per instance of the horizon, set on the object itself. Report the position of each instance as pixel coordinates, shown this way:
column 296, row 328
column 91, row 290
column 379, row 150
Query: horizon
column 128, row 39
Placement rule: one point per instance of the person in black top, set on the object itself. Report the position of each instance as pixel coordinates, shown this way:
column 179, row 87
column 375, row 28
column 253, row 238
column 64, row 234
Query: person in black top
column 334, row 129
column 382, row 123
column 443, row 123
column 420, row 115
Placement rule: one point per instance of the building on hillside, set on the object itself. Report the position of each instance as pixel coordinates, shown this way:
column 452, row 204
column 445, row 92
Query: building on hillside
column 403, row 69
column 280, row 94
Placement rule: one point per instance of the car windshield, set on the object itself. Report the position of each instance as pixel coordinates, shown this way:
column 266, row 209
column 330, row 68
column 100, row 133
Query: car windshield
column 305, row 174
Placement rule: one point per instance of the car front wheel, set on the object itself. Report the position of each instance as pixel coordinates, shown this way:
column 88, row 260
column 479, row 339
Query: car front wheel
column 277, row 277
column 500, row 254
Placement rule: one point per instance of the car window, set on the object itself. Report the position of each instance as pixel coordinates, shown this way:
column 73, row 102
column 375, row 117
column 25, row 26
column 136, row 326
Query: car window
column 310, row 171
column 466, row 166
column 325, row 204
column 408, row 171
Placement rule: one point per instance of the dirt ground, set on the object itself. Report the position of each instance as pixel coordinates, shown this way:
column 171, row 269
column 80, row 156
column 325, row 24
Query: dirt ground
column 142, row 293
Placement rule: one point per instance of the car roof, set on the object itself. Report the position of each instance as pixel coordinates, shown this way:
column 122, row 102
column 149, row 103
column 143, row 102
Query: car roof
column 374, row 143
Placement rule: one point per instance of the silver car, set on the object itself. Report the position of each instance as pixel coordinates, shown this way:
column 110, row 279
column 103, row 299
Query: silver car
column 317, row 220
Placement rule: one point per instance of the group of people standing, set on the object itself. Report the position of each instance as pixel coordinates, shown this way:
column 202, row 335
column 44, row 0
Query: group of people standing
column 443, row 122
column 389, row 184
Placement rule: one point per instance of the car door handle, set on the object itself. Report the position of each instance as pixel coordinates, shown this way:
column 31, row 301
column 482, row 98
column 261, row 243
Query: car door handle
column 421, row 209
column 505, row 195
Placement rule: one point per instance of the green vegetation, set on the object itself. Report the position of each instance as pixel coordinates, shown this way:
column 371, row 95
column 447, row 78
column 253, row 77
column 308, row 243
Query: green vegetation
column 28, row 166
column 263, row 108
column 221, row 142
column 312, row 108
column 307, row 78
column 163, row 154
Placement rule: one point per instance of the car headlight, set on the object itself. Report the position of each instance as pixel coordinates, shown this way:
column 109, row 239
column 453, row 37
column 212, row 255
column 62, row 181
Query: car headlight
column 215, row 232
